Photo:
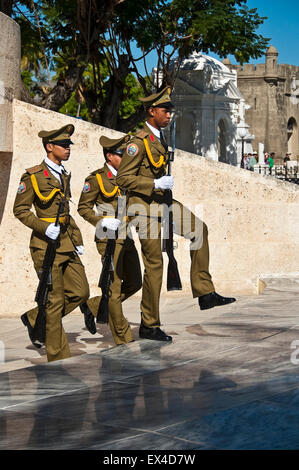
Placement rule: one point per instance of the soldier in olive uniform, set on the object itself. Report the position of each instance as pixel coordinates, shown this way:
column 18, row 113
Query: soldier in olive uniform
column 42, row 187
column 100, row 190
column 142, row 173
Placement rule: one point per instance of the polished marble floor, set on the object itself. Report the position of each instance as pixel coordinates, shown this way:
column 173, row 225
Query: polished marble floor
column 229, row 380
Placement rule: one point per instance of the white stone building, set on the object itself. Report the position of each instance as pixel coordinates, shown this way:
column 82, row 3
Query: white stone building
column 210, row 110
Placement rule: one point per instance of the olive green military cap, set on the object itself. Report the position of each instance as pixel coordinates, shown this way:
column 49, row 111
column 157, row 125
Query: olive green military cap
column 61, row 135
column 114, row 145
column 161, row 99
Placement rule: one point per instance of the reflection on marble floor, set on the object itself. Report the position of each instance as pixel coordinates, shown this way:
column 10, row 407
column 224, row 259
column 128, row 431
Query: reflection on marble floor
column 226, row 382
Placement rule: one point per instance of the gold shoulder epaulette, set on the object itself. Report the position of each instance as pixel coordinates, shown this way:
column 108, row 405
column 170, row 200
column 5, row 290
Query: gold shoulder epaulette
column 100, row 170
column 150, row 157
column 39, row 194
column 103, row 190
column 141, row 134
column 34, row 169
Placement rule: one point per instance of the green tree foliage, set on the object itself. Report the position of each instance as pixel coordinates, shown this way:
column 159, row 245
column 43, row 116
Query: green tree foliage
column 90, row 51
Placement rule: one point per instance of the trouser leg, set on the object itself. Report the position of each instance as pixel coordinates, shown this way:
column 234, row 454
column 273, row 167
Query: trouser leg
column 130, row 275
column 93, row 304
column 120, row 328
column 153, row 272
column 70, row 289
column 192, row 228
column 131, row 271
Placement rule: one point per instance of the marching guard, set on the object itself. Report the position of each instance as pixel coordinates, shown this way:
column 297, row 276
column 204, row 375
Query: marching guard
column 42, row 187
column 101, row 192
column 142, row 173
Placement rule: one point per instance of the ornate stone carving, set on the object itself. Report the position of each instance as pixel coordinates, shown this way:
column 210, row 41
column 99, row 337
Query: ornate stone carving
column 208, row 96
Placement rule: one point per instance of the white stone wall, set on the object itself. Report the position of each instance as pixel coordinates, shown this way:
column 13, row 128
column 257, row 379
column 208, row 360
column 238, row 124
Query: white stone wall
column 252, row 220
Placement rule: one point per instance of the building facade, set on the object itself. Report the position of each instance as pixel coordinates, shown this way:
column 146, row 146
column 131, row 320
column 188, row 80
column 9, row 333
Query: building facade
column 210, row 110
column 272, row 92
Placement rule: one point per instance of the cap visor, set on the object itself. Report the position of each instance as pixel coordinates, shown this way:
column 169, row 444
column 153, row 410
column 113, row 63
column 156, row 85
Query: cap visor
column 167, row 105
column 62, row 142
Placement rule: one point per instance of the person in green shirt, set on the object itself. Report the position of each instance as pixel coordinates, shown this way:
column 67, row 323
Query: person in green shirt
column 271, row 160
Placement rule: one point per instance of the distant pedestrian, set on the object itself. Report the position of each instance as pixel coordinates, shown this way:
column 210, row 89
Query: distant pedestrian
column 271, row 160
column 287, row 158
column 252, row 160
column 244, row 161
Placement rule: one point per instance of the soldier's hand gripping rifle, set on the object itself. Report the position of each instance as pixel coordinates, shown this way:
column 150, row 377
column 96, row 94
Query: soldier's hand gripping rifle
column 173, row 277
column 45, row 278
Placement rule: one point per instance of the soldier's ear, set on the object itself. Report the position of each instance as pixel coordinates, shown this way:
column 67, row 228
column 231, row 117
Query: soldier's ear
column 108, row 157
column 151, row 111
column 48, row 147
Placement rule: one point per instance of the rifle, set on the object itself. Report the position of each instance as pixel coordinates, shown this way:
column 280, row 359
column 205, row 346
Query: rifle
column 173, row 276
column 107, row 274
column 106, row 279
column 45, row 279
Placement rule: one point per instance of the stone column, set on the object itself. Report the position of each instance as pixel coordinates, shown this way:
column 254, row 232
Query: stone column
column 197, row 131
column 209, row 142
column 10, row 88
column 261, row 154
column 261, row 167
column 10, row 77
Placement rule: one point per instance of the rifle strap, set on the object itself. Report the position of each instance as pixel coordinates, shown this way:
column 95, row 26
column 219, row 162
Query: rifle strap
column 39, row 194
column 150, row 157
column 103, row 190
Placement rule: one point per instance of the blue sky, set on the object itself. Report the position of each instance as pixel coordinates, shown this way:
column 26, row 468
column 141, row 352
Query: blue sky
column 282, row 26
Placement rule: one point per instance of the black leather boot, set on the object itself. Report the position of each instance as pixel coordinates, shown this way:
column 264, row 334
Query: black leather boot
column 213, row 300
column 26, row 322
column 153, row 333
column 89, row 319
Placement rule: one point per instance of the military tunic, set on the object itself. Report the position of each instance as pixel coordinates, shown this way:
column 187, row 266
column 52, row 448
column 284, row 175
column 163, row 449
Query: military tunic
column 40, row 189
column 100, row 190
column 144, row 160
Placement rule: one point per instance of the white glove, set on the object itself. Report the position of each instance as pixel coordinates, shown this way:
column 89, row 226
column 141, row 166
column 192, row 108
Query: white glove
column 110, row 223
column 79, row 249
column 165, row 182
column 53, row 231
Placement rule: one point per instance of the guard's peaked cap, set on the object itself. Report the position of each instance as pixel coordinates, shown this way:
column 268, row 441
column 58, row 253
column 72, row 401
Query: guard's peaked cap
column 58, row 135
column 161, row 99
column 114, row 145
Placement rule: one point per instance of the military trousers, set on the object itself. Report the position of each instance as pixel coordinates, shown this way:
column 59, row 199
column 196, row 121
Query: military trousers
column 127, row 281
column 187, row 225
column 70, row 289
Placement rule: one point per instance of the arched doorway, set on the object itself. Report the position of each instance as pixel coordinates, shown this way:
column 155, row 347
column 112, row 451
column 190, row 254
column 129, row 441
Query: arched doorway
column 293, row 139
column 222, row 141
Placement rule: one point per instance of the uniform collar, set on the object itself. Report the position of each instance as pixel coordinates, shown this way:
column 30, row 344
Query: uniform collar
column 113, row 170
column 53, row 166
column 156, row 142
column 155, row 131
